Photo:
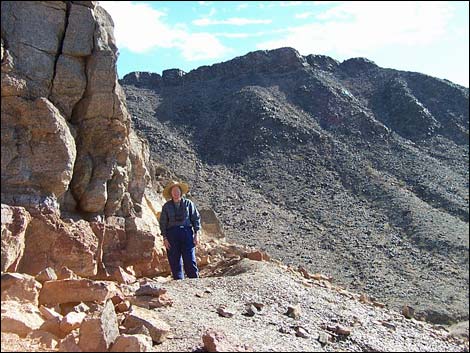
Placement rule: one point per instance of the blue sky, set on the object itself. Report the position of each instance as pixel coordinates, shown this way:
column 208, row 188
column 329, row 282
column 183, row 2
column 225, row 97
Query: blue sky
column 427, row 37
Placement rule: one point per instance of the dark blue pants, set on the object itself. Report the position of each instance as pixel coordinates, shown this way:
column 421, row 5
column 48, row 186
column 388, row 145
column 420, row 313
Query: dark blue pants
column 182, row 246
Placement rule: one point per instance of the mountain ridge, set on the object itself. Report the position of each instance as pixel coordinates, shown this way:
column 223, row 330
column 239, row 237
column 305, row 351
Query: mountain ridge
column 262, row 61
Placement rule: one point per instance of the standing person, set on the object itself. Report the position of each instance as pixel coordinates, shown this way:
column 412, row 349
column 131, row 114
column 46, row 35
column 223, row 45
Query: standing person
column 180, row 224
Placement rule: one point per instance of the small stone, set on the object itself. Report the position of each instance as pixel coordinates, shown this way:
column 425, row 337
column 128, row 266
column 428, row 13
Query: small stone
column 323, row 338
column 408, row 311
column 342, row 330
column 301, row 332
column 250, row 310
column 293, row 311
column 389, row 325
column 224, row 312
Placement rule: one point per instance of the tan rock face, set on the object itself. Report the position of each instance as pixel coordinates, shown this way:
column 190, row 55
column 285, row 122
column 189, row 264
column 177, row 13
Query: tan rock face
column 211, row 223
column 20, row 287
column 20, row 318
column 67, row 145
column 158, row 329
column 38, row 150
column 65, row 126
column 51, row 242
column 14, row 223
column 101, row 172
column 69, row 83
column 98, row 333
column 76, row 290
column 33, row 32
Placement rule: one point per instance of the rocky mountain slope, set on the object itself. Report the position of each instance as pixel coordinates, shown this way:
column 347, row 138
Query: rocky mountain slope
column 346, row 168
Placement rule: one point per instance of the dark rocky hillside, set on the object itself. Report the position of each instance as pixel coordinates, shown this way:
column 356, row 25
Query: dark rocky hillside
column 348, row 169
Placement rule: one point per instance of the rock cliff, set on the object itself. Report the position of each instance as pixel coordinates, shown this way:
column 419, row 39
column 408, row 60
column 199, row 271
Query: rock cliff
column 75, row 177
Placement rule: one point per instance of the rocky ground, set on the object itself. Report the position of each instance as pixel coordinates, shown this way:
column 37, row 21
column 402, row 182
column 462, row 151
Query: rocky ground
column 312, row 167
column 322, row 312
column 247, row 305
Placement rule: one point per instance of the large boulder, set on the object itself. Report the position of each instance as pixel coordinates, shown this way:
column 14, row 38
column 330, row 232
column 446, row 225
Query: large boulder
column 76, row 290
column 138, row 317
column 20, row 287
column 15, row 220
column 20, row 318
column 52, row 242
column 99, row 331
column 38, row 149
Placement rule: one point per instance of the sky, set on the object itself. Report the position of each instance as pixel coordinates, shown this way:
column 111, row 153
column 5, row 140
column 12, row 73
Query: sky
column 428, row 37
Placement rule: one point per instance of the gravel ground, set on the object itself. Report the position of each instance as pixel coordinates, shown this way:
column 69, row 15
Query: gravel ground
column 387, row 217
column 372, row 328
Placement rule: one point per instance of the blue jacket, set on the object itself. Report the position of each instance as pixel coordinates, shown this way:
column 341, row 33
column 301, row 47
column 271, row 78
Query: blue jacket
column 186, row 215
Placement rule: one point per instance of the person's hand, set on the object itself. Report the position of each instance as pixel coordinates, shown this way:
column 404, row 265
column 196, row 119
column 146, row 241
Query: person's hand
column 166, row 243
column 196, row 238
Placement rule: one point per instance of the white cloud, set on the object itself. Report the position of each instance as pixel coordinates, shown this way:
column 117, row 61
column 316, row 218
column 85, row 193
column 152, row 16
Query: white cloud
column 269, row 5
column 358, row 28
column 205, row 3
column 325, row 2
column 199, row 46
column 248, row 34
column 290, row 3
column 303, row 15
column 212, row 12
column 235, row 21
column 140, row 28
column 234, row 35
column 242, row 6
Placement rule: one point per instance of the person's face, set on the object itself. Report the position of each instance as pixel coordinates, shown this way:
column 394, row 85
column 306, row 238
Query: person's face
column 176, row 192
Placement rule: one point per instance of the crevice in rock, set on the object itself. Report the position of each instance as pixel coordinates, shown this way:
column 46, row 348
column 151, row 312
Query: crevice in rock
column 5, row 47
column 61, row 47
column 36, row 48
column 75, row 122
column 115, row 100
